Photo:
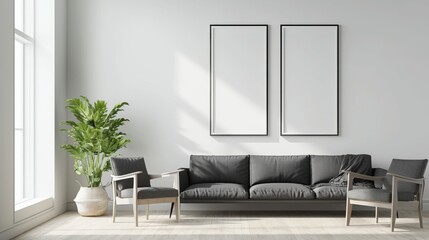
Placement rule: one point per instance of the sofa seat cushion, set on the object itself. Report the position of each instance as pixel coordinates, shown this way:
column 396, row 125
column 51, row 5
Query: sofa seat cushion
column 280, row 191
column 333, row 192
column 215, row 191
column 150, row 192
column 379, row 195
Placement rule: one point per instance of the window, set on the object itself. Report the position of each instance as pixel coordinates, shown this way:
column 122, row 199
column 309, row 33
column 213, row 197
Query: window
column 34, row 107
column 24, row 101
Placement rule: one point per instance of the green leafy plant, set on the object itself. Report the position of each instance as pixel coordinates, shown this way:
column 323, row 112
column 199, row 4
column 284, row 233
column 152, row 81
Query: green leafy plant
column 96, row 137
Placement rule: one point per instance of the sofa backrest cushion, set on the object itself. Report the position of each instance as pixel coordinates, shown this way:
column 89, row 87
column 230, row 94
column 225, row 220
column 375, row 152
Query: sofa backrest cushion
column 219, row 169
column 279, row 169
column 325, row 167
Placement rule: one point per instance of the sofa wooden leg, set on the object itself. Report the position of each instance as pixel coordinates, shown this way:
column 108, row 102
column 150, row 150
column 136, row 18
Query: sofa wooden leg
column 171, row 209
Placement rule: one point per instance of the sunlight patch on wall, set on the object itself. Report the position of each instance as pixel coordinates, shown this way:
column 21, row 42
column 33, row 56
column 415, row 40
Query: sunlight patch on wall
column 193, row 111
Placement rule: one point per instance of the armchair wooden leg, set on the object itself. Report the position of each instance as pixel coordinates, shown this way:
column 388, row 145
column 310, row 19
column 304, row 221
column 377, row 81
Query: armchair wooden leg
column 348, row 211
column 376, row 214
column 394, row 210
column 177, row 208
column 420, row 209
column 114, row 200
column 114, row 209
column 136, row 215
column 147, row 212
column 393, row 218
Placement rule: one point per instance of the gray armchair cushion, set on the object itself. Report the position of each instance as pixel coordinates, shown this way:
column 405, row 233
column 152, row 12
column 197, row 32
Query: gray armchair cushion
column 279, row 169
column 407, row 168
column 379, row 195
column 325, row 167
column 224, row 169
column 149, row 192
column 280, row 191
column 215, row 191
column 125, row 165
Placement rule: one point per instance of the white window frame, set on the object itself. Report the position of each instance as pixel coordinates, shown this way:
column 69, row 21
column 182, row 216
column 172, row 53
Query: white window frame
column 40, row 78
column 26, row 38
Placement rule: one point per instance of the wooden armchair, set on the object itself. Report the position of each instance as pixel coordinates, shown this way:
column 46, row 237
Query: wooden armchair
column 403, row 188
column 131, row 185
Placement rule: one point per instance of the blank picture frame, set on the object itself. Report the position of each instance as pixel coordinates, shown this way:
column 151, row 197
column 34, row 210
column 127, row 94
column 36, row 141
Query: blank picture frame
column 309, row 84
column 238, row 80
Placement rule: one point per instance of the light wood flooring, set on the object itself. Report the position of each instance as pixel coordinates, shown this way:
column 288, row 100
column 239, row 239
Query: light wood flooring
column 232, row 225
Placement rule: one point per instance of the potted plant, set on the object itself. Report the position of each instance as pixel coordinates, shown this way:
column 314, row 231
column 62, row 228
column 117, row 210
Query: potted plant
column 96, row 137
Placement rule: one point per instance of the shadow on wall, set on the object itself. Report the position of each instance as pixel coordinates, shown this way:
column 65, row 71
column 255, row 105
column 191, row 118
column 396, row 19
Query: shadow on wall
column 194, row 112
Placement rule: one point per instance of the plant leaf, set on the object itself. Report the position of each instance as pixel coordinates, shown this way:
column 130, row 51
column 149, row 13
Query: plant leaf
column 95, row 136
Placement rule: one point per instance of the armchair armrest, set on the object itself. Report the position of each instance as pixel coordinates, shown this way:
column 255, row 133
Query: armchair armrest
column 172, row 172
column 399, row 178
column 407, row 179
column 132, row 175
column 125, row 176
column 165, row 174
column 175, row 174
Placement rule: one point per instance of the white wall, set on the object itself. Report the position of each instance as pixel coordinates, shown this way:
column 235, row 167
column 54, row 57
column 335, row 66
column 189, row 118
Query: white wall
column 7, row 38
column 8, row 226
column 155, row 55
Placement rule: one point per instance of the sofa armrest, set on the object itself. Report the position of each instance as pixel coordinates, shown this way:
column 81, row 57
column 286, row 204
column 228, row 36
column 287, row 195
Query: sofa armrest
column 379, row 172
column 184, row 178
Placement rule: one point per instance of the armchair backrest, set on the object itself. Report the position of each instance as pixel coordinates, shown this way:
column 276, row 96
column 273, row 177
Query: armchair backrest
column 125, row 165
column 407, row 168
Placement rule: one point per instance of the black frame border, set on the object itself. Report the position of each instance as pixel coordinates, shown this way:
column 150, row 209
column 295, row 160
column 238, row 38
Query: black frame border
column 338, row 79
column 267, row 74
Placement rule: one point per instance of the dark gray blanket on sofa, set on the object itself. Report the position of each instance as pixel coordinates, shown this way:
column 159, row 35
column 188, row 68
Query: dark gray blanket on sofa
column 352, row 163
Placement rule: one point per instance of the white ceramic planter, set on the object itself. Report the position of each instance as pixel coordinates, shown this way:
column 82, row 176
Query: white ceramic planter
column 91, row 202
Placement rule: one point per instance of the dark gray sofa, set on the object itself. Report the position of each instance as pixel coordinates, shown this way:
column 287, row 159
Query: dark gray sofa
column 258, row 178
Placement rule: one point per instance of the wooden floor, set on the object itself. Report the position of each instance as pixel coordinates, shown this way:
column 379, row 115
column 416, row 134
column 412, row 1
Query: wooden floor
column 232, row 225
